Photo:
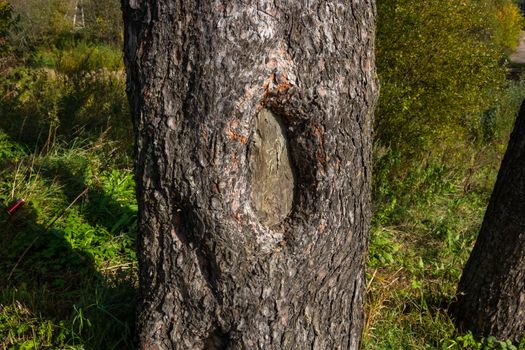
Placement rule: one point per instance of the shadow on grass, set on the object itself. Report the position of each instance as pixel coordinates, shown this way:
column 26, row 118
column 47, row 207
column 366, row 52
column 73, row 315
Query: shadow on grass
column 89, row 305
column 61, row 284
column 99, row 208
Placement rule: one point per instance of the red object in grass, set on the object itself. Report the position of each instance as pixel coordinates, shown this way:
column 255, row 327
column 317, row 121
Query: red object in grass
column 15, row 206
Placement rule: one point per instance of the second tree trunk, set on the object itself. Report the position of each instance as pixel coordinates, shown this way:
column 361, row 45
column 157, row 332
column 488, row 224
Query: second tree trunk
column 491, row 293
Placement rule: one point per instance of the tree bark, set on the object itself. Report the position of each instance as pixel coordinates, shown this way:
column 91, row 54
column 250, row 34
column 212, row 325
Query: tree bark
column 491, row 293
column 253, row 143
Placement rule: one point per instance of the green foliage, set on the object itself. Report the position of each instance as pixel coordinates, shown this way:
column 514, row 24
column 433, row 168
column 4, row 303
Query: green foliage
column 424, row 227
column 427, row 213
column 68, row 266
column 443, row 120
column 496, row 123
column 509, row 22
column 78, row 59
column 9, row 149
column 104, row 21
column 39, row 23
column 5, row 24
column 50, row 22
column 468, row 341
column 383, row 248
column 440, row 67
column 86, row 58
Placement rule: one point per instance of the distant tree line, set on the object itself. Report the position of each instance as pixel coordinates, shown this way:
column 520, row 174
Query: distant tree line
column 40, row 22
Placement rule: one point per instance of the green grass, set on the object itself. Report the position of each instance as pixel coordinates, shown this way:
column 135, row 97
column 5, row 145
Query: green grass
column 427, row 214
column 68, row 267
column 68, row 270
column 427, row 217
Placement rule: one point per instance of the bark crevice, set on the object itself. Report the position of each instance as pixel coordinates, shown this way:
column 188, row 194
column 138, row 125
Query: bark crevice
column 217, row 340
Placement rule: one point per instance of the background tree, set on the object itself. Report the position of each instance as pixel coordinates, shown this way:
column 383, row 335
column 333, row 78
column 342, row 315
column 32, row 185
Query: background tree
column 491, row 293
column 104, row 21
column 50, row 22
column 39, row 22
column 446, row 107
column 253, row 126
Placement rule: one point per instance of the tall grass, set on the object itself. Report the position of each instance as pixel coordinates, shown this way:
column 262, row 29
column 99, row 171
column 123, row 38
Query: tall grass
column 68, row 264
column 68, row 267
column 67, row 256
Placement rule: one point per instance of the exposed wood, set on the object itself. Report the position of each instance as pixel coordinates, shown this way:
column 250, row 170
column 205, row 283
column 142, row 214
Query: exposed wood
column 272, row 176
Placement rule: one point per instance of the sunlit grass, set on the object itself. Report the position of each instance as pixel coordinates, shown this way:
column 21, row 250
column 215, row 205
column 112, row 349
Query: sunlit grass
column 68, row 267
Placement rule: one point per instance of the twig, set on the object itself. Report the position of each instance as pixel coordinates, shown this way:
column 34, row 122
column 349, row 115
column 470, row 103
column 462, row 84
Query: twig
column 371, row 279
column 119, row 266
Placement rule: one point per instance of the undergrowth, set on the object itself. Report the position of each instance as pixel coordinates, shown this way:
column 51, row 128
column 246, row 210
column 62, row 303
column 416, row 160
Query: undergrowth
column 427, row 214
column 68, row 267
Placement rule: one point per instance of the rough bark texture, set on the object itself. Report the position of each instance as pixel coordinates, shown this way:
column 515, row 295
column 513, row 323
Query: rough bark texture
column 224, row 262
column 491, row 293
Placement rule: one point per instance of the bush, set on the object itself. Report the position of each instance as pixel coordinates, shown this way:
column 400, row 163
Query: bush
column 440, row 65
column 442, row 124
column 104, row 21
column 85, row 57
column 5, row 24
column 39, row 23
column 508, row 25
column 49, row 24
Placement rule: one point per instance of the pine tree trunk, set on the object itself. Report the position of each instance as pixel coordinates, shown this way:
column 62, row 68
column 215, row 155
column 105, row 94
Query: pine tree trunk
column 253, row 130
column 491, row 293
